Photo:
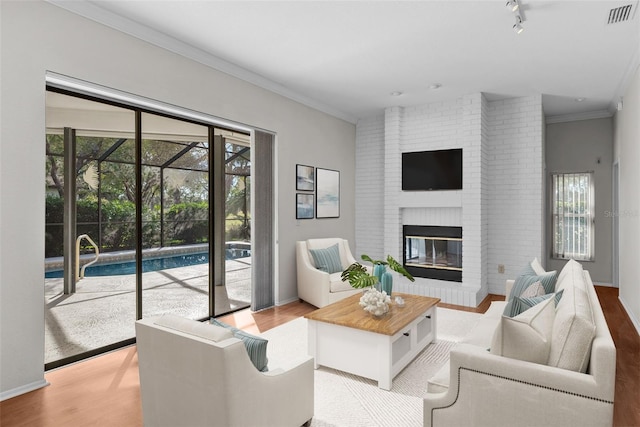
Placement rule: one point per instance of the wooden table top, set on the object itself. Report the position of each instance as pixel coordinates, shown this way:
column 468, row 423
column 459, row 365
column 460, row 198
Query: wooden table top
column 348, row 312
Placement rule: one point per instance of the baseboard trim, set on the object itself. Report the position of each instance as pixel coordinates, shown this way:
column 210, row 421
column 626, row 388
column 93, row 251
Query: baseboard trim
column 287, row 301
column 23, row 389
column 608, row 285
column 634, row 321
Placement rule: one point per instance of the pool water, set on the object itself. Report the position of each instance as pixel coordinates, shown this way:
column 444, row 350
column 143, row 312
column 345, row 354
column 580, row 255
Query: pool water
column 150, row 264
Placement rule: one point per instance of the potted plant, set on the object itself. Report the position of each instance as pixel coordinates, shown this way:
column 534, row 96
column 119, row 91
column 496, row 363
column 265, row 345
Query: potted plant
column 358, row 276
column 376, row 301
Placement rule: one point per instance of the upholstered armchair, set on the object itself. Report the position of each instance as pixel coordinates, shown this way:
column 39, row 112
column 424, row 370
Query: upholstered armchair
column 322, row 285
column 198, row 374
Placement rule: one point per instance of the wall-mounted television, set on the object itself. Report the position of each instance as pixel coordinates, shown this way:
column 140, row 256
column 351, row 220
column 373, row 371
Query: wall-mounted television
column 432, row 170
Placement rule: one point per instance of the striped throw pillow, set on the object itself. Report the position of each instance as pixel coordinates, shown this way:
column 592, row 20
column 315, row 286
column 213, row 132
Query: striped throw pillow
column 256, row 346
column 522, row 282
column 521, row 304
column 327, row 259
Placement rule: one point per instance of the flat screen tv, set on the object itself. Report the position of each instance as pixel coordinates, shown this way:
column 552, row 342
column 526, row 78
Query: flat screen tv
column 432, row 170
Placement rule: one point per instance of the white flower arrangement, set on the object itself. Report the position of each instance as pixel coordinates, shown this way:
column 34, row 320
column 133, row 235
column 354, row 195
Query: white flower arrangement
column 375, row 302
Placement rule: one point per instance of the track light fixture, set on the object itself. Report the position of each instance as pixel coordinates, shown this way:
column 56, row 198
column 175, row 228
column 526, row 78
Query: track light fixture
column 517, row 27
column 513, row 5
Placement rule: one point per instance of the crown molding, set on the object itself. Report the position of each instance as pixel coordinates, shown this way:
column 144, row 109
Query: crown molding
column 589, row 115
column 95, row 13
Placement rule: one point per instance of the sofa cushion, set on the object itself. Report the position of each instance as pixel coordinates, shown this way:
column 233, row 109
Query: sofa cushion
column 526, row 336
column 256, row 346
column 327, row 259
column 523, row 282
column 337, row 285
column 570, row 275
column 193, row 327
column 482, row 332
column 573, row 330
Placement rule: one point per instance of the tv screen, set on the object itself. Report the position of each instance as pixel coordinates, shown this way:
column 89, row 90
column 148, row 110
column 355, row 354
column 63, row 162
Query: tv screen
column 432, row 170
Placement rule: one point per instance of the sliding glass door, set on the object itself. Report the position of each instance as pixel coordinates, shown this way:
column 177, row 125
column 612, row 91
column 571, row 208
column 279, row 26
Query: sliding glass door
column 175, row 218
column 156, row 221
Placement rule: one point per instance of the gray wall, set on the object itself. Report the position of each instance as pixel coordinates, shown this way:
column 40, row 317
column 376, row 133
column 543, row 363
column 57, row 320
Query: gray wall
column 37, row 37
column 584, row 146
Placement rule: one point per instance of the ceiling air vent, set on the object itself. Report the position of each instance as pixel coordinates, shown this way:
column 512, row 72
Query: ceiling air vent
column 620, row 14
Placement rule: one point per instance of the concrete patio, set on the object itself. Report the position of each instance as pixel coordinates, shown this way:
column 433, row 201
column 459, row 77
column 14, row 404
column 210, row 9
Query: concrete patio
column 102, row 311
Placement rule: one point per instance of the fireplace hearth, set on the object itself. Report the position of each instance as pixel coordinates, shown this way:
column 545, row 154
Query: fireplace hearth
column 433, row 252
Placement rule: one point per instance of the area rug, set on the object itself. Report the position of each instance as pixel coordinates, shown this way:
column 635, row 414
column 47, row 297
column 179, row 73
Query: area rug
column 343, row 399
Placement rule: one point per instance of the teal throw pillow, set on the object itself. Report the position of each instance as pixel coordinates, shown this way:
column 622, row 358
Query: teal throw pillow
column 256, row 346
column 328, row 259
column 547, row 280
column 521, row 305
column 528, row 270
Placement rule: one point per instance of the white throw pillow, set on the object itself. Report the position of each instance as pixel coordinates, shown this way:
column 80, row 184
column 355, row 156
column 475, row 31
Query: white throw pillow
column 537, row 267
column 534, row 290
column 526, row 336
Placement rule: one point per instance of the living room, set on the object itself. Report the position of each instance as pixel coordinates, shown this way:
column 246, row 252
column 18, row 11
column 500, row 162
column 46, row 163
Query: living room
column 40, row 36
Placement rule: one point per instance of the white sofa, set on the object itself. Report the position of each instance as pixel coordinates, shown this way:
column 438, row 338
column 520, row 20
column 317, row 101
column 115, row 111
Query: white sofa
column 198, row 374
column 317, row 287
column 478, row 387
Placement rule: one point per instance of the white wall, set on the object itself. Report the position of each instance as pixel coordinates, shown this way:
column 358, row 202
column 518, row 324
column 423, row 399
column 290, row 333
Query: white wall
column 627, row 153
column 516, row 182
column 500, row 207
column 370, row 185
column 585, row 146
column 37, row 37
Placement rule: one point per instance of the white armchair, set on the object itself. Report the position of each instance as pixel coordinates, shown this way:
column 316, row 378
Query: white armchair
column 198, row 374
column 318, row 287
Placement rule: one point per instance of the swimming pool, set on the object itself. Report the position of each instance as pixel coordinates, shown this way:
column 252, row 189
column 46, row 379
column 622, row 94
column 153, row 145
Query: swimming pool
column 149, row 264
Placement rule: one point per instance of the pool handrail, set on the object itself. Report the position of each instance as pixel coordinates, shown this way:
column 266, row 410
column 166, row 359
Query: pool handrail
column 80, row 273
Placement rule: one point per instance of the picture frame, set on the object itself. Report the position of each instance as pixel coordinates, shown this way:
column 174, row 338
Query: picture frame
column 305, row 178
column 327, row 193
column 304, row 206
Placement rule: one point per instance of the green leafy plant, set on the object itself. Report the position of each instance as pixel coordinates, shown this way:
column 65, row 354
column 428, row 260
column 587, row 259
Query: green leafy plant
column 358, row 276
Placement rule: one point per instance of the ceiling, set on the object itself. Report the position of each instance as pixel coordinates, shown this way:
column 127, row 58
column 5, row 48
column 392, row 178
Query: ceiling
column 348, row 57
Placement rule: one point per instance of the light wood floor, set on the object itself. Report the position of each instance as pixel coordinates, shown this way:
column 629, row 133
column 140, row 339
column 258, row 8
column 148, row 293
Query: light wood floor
column 104, row 391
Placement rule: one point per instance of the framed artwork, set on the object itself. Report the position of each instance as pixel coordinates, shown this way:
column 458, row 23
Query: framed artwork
column 305, row 178
column 304, row 206
column 327, row 193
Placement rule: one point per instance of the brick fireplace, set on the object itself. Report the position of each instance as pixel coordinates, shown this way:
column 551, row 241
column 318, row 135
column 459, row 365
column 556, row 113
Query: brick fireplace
column 503, row 153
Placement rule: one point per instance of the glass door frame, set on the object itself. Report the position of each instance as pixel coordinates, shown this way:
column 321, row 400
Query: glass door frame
column 216, row 199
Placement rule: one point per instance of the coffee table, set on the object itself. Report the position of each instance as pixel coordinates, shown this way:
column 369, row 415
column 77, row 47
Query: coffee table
column 345, row 337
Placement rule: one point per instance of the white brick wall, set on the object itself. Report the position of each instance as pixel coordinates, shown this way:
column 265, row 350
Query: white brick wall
column 394, row 127
column 516, row 177
column 369, row 187
column 501, row 200
column 441, row 217
column 473, row 205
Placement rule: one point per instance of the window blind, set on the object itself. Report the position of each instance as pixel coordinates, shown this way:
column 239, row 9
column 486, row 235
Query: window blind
column 263, row 246
column 573, row 216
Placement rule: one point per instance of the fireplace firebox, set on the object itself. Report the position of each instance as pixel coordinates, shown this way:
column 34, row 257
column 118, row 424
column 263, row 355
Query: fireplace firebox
column 433, row 252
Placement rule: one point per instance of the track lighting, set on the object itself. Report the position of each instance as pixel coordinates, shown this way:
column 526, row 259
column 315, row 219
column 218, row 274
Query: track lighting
column 517, row 27
column 513, row 5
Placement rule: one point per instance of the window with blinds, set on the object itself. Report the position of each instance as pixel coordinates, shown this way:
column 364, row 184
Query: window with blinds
column 573, row 216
